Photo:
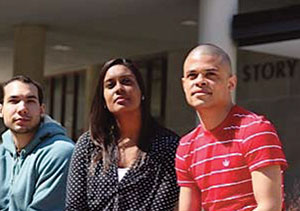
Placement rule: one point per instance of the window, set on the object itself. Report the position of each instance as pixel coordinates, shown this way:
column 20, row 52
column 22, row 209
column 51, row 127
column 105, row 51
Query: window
column 64, row 99
column 65, row 95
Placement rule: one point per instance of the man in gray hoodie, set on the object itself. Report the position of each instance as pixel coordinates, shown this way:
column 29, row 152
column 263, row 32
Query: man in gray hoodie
column 35, row 152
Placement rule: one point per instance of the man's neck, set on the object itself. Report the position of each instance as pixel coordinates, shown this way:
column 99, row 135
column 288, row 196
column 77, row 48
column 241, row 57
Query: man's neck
column 22, row 140
column 211, row 118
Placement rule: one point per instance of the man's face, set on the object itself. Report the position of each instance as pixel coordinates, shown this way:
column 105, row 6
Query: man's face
column 21, row 110
column 207, row 81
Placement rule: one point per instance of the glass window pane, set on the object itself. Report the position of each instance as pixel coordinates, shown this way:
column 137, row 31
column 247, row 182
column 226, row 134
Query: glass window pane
column 57, row 98
column 47, row 94
column 69, row 104
column 80, row 106
column 156, row 91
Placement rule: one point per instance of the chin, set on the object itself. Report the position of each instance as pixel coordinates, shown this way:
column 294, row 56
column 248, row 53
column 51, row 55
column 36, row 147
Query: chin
column 123, row 110
column 24, row 129
column 198, row 103
column 203, row 105
column 21, row 130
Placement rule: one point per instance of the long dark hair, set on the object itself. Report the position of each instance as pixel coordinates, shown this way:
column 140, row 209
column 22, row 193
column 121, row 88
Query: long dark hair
column 103, row 127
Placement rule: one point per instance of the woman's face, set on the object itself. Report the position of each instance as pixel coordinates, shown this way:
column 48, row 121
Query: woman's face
column 121, row 90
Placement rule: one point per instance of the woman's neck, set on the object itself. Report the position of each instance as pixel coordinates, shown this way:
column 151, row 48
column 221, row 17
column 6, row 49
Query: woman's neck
column 129, row 125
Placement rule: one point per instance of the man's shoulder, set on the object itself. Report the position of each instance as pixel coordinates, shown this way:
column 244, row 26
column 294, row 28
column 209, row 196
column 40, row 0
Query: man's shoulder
column 57, row 144
column 59, row 139
column 246, row 116
column 192, row 134
column 250, row 122
column 2, row 149
column 243, row 113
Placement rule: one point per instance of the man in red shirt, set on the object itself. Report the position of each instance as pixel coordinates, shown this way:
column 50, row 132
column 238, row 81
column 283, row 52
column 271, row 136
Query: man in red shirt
column 233, row 160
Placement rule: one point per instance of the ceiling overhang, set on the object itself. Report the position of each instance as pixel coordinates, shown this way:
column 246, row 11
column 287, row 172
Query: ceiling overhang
column 266, row 26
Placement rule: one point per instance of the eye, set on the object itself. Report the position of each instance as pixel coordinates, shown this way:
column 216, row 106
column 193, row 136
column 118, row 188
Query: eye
column 211, row 74
column 126, row 81
column 109, row 85
column 31, row 101
column 13, row 101
column 191, row 75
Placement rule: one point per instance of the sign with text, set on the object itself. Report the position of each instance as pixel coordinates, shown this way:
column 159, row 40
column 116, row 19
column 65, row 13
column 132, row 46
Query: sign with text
column 269, row 70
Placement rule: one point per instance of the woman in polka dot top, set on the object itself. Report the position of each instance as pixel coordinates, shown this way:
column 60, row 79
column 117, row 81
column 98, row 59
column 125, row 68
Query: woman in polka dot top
column 126, row 160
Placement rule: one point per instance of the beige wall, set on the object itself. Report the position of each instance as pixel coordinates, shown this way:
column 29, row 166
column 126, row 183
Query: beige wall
column 29, row 51
column 179, row 116
column 269, row 85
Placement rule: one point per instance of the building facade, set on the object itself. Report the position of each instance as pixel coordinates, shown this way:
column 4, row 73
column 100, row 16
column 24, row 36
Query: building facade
column 262, row 38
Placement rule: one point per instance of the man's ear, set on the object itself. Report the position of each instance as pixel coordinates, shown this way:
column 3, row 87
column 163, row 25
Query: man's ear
column 43, row 109
column 232, row 82
column 1, row 107
column 182, row 83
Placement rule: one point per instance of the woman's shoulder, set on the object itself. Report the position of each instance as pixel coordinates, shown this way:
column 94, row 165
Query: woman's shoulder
column 84, row 142
column 163, row 132
column 165, row 139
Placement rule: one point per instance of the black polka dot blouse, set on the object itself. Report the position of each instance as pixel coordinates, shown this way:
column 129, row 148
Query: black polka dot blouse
column 151, row 186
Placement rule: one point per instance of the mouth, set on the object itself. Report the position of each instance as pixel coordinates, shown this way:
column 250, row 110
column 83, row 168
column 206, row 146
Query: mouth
column 22, row 119
column 120, row 99
column 201, row 92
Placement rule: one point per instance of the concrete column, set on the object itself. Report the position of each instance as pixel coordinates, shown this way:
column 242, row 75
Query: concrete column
column 215, row 18
column 29, row 51
column 91, row 80
column 179, row 116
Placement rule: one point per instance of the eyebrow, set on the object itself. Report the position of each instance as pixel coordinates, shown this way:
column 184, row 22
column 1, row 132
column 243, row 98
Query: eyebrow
column 212, row 69
column 108, row 80
column 17, row 96
column 208, row 69
column 123, row 76
column 189, row 71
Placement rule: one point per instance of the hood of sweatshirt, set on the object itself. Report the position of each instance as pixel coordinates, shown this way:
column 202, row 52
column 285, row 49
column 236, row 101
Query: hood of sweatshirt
column 48, row 128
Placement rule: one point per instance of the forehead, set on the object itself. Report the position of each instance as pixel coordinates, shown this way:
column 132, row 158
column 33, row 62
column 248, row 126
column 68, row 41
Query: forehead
column 200, row 60
column 117, row 71
column 18, row 88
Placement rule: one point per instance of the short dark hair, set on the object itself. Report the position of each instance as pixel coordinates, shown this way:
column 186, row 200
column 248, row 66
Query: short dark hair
column 24, row 79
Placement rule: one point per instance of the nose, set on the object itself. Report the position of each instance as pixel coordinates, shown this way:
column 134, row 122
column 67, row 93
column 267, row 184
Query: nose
column 22, row 108
column 201, row 81
column 119, row 88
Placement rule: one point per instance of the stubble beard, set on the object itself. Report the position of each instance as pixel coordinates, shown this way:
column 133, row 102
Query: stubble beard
column 24, row 131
